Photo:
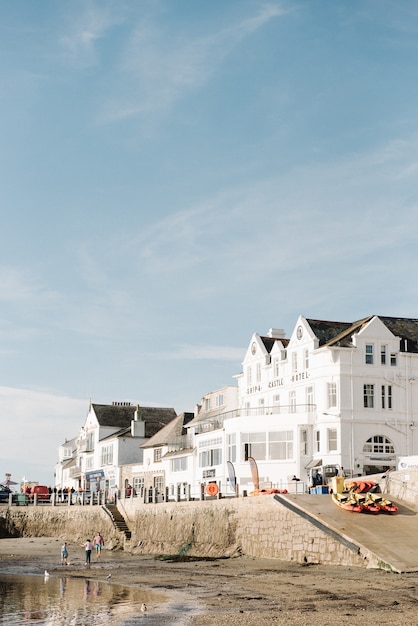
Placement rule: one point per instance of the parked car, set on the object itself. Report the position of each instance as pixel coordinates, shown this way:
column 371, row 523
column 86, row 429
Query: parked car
column 41, row 491
column 4, row 493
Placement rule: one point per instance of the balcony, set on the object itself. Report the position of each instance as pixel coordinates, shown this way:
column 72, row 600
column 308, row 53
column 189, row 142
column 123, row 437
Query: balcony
column 216, row 422
column 182, row 442
column 75, row 472
column 85, row 446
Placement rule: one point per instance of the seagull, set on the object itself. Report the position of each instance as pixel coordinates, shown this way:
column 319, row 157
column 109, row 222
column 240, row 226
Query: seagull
column 109, row 576
column 46, row 574
column 143, row 607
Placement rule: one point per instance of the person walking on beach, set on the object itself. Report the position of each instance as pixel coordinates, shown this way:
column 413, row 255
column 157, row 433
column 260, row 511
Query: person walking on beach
column 98, row 542
column 64, row 553
column 88, row 546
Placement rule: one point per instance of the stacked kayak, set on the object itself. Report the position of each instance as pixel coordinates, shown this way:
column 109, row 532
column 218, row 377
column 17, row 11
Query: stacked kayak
column 361, row 497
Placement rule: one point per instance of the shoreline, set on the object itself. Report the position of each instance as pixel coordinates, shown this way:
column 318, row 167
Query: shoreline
column 234, row 591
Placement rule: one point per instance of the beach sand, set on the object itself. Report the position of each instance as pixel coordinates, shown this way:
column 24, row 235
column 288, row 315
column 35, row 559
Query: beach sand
column 244, row 590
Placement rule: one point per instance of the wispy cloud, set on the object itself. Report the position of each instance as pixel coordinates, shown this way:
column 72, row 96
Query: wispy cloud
column 18, row 285
column 161, row 68
column 308, row 216
column 56, row 417
column 84, row 31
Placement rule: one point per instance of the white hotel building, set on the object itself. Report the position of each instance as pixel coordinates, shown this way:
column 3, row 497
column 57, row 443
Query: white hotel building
column 334, row 393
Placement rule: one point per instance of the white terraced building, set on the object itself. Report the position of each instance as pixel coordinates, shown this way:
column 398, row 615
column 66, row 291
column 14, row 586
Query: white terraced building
column 333, row 393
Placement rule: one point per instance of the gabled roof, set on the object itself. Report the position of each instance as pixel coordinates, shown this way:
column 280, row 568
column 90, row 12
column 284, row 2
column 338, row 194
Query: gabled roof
column 341, row 333
column 327, row 332
column 270, row 341
column 114, row 416
column 172, row 430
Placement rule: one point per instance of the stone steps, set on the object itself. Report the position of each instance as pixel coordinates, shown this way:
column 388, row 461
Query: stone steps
column 118, row 520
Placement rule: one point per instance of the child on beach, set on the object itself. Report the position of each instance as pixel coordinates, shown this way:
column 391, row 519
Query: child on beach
column 88, row 546
column 98, row 542
column 64, row 553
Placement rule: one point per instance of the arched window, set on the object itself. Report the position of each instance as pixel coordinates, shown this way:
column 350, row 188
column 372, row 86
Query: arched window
column 378, row 444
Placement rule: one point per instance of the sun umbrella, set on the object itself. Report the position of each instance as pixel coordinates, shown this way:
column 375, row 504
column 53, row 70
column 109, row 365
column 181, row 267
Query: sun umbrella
column 8, row 482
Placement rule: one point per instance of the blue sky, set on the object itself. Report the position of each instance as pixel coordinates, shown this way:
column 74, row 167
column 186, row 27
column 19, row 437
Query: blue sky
column 178, row 175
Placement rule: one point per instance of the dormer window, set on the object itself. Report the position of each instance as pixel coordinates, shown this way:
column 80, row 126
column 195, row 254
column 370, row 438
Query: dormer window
column 157, row 455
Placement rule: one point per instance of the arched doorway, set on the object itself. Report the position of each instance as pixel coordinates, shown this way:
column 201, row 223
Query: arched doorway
column 378, row 454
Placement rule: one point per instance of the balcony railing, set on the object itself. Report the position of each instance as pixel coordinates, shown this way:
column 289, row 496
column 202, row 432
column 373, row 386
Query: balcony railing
column 182, row 442
column 85, row 446
column 216, row 422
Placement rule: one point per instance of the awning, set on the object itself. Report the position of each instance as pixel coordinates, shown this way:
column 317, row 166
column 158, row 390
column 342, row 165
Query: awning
column 97, row 474
column 313, row 463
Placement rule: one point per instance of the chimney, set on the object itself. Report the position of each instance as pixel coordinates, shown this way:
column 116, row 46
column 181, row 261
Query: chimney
column 137, row 424
column 276, row 333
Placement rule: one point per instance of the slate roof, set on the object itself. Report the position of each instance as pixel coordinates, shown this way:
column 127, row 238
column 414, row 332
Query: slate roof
column 340, row 333
column 270, row 341
column 115, row 416
column 172, row 430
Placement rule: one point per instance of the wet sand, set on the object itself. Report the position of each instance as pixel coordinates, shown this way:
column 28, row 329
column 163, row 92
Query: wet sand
column 235, row 591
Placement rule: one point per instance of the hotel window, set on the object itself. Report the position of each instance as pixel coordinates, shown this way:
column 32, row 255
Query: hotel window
column 261, row 406
column 393, row 359
column 369, row 354
column 309, row 398
column 255, row 444
column 306, row 359
column 294, row 361
column 383, row 354
column 332, row 439
column 207, row 404
column 208, row 458
column 386, row 396
column 304, row 442
column 247, row 408
column 368, row 396
column 249, row 377
column 292, row 401
column 276, row 367
column 379, row 445
column 332, row 395
column 157, row 455
column 317, row 441
column 232, row 447
column 281, row 445
column 276, row 403
column 259, row 372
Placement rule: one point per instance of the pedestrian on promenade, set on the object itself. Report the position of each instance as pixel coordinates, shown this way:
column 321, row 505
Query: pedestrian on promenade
column 88, row 546
column 64, row 554
column 98, row 542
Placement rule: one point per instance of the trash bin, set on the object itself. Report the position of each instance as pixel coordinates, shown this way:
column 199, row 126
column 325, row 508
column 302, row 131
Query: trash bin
column 20, row 499
column 337, row 483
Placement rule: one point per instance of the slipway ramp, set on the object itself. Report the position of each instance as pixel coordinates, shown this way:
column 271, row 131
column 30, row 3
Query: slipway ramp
column 390, row 541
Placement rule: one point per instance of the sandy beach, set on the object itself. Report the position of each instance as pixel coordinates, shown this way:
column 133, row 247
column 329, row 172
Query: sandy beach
column 239, row 591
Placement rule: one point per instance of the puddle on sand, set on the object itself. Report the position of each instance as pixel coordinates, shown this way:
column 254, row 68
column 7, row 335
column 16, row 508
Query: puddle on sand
column 62, row 601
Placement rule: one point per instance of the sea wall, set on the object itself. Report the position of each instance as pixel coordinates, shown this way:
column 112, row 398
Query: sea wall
column 258, row 527
column 72, row 523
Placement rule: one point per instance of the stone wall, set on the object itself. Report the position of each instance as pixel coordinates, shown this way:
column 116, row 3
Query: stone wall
column 258, row 527
column 71, row 523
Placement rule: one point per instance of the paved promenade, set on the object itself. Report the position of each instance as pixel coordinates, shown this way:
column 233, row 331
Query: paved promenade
column 392, row 538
